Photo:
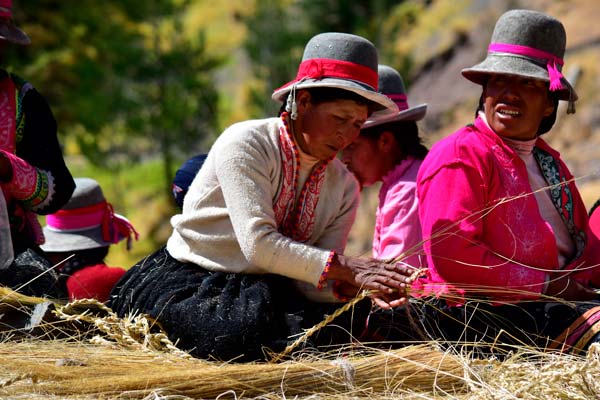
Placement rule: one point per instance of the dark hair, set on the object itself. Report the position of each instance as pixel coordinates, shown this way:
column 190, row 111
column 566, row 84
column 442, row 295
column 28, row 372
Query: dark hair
column 406, row 134
column 545, row 124
column 321, row 94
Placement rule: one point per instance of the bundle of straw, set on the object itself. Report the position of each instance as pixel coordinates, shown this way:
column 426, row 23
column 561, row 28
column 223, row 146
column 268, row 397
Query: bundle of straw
column 59, row 368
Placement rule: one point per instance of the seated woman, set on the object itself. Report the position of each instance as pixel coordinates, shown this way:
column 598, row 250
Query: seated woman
column 254, row 255
column 389, row 149
column 78, row 238
column 511, row 257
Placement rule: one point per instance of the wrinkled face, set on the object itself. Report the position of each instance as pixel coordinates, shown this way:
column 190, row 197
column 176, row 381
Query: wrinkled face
column 364, row 158
column 514, row 106
column 323, row 129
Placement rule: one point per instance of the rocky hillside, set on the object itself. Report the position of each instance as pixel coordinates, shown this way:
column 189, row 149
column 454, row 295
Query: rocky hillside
column 452, row 99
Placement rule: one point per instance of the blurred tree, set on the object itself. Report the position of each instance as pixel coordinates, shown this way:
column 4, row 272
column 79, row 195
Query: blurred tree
column 123, row 80
column 276, row 37
column 279, row 29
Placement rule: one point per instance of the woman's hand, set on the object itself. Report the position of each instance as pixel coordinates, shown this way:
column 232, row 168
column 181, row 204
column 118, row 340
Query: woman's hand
column 567, row 288
column 387, row 281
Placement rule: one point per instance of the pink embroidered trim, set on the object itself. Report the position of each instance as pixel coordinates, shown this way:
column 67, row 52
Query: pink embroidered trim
column 400, row 100
column 551, row 60
column 8, row 112
column 323, row 279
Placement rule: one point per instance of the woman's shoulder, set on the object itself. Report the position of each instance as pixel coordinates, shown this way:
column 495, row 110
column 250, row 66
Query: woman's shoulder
column 347, row 178
column 463, row 142
column 257, row 132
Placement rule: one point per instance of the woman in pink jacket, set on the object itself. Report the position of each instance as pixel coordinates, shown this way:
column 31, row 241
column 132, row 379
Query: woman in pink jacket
column 511, row 257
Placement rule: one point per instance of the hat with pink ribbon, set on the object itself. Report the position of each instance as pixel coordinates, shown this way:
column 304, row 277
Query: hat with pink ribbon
column 391, row 85
column 529, row 44
column 339, row 60
column 8, row 31
column 87, row 221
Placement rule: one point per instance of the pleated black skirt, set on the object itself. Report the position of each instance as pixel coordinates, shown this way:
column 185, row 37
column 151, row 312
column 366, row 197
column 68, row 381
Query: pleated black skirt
column 228, row 316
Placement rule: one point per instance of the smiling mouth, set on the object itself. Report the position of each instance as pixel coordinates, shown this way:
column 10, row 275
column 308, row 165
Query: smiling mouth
column 510, row 113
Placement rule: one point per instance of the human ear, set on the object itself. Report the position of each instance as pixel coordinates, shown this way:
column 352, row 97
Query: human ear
column 549, row 107
column 302, row 99
column 386, row 141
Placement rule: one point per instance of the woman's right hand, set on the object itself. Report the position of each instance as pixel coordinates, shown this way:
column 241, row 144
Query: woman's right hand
column 388, row 281
column 567, row 288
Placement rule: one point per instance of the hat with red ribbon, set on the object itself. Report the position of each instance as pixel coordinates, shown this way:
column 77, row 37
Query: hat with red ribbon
column 339, row 60
column 529, row 44
column 87, row 221
column 391, row 84
column 8, row 30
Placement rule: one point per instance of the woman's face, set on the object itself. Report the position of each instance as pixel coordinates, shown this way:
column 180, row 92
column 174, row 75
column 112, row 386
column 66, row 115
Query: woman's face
column 515, row 106
column 323, row 129
column 365, row 158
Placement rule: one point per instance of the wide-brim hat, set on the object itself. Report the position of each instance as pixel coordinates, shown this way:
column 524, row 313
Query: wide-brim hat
column 342, row 61
column 87, row 221
column 8, row 30
column 391, row 85
column 528, row 44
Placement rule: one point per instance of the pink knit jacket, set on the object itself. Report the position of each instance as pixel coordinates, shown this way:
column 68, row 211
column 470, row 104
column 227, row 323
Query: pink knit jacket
column 484, row 235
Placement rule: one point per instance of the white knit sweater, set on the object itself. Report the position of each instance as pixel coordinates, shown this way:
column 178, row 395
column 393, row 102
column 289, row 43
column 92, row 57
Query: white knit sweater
column 228, row 224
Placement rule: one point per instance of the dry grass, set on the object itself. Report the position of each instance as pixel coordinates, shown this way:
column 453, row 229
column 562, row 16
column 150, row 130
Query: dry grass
column 132, row 359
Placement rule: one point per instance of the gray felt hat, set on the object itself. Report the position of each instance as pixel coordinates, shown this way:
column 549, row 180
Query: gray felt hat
column 529, row 44
column 8, row 30
column 87, row 221
column 391, row 84
column 339, row 60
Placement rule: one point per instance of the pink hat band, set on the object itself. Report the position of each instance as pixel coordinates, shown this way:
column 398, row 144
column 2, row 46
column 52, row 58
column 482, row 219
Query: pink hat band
column 400, row 99
column 551, row 60
column 98, row 215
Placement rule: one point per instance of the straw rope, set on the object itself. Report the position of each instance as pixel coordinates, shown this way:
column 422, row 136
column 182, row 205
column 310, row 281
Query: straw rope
column 134, row 332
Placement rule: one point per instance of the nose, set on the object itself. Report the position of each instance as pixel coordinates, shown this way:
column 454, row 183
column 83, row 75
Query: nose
column 510, row 90
column 346, row 137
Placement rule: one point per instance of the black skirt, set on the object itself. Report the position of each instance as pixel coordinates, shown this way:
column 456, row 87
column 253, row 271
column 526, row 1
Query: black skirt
column 227, row 316
column 499, row 330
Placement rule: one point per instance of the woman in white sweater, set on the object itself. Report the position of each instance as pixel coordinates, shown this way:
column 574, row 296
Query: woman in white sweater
column 256, row 255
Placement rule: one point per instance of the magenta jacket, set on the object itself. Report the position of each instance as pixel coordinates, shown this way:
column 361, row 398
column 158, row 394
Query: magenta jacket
column 484, row 235
column 397, row 227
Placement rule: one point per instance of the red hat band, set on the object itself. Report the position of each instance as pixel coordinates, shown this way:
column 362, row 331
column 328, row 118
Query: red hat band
column 318, row 68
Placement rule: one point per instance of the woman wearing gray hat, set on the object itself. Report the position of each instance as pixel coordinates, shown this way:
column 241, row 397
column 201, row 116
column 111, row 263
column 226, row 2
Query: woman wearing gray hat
column 260, row 239
column 511, row 257
column 33, row 176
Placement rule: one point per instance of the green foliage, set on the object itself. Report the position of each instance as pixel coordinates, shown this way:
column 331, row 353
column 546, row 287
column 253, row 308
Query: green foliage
column 279, row 31
column 123, row 79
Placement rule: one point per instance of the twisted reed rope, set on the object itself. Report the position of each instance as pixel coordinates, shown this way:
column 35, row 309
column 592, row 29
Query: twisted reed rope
column 133, row 332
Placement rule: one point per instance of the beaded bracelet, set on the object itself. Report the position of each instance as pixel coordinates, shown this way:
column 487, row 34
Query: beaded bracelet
column 323, row 279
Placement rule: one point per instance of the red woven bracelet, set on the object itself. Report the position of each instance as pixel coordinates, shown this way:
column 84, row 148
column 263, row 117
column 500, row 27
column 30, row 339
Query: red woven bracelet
column 337, row 293
column 323, row 279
